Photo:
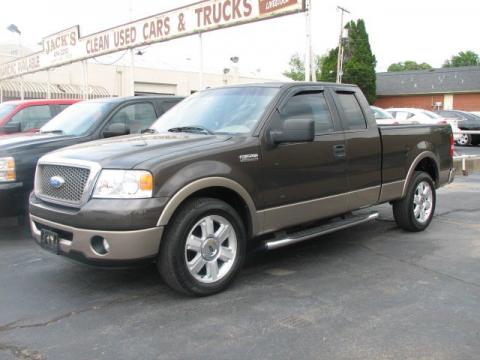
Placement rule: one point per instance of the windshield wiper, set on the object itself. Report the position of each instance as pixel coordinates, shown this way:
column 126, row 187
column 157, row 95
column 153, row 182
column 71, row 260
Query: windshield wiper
column 192, row 129
column 149, row 131
column 51, row 132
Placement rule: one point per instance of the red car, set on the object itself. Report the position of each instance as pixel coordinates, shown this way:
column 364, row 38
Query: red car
column 29, row 115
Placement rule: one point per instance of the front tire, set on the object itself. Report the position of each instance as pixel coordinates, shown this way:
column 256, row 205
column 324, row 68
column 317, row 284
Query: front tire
column 415, row 211
column 203, row 247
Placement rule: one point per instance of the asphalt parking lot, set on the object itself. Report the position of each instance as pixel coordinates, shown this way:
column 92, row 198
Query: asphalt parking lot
column 371, row 292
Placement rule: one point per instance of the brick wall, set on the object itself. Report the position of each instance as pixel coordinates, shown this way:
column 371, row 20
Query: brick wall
column 414, row 101
column 467, row 102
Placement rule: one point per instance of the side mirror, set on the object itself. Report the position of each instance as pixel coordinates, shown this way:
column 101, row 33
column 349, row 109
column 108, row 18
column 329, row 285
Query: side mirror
column 12, row 128
column 118, row 129
column 293, row 130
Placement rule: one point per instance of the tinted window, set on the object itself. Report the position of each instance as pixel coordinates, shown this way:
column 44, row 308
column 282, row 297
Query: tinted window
column 62, row 107
column 168, row 104
column 310, row 105
column 78, row 118
column 136, row 117
column 33, row 117
column 353, row 115
column 5, row 109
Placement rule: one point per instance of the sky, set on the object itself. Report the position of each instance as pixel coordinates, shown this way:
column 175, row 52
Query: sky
column 421, row 30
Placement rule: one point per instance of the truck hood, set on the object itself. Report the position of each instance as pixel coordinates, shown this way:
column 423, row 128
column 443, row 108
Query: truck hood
column 17, row 141
column 125, row 152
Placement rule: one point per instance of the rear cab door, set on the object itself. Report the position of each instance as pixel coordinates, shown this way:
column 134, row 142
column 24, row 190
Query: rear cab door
column 363, row 147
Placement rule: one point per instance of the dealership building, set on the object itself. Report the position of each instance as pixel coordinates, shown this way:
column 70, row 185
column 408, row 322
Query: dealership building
column 435, row 89
column 68, row 81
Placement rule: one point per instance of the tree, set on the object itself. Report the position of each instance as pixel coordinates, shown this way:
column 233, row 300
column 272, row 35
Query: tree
column 408, row 66
column 359, row 62
column 328, row 70
column 463, row 58
column 297, row 67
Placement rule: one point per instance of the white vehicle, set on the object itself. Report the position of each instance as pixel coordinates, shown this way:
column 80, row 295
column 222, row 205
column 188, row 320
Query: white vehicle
column 410, row 116
column 382, row 117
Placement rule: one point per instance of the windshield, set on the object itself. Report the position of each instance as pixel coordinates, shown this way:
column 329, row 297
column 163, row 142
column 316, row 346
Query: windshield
column 381, row 114
column 431, row 115
column 77, row 119
column 219, row 111
column 470, row 116
column 5, row 109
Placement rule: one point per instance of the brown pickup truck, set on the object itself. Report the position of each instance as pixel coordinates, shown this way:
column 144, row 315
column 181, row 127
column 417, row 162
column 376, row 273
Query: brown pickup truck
column 271, row 163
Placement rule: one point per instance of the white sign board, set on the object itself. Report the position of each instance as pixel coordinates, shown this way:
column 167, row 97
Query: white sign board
column 67, row 46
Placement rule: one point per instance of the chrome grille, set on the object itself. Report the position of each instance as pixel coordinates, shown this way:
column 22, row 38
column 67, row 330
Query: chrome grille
column 72, row 189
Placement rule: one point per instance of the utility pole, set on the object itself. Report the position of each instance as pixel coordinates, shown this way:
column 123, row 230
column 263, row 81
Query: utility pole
column 340, row 46
column 308, row 47
column 200, row 55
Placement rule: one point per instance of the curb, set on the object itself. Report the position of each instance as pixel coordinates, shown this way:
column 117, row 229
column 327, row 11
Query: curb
column 465, row 165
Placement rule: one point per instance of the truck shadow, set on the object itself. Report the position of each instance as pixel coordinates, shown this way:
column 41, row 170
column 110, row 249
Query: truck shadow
column 145, row 281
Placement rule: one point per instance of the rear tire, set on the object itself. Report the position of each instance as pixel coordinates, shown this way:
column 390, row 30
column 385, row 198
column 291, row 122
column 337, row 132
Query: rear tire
column 464, row 140
column 203, row 247
column 415, row 211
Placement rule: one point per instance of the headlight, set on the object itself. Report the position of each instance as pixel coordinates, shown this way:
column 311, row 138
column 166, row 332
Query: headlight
column 124, row 184
column 7, row 169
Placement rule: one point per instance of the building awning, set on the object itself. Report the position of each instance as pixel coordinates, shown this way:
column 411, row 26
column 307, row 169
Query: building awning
column 11, row 90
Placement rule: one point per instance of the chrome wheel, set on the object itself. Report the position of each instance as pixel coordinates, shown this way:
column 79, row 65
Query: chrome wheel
column 464, row 140
column 423, row 202
column 211, row 249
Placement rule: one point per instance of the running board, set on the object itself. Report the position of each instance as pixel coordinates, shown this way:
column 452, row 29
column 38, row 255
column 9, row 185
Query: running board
column 328, row 228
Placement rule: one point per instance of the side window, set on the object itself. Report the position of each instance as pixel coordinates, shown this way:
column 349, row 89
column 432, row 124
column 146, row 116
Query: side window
column 353, row 115
column 310, row 105
column 62, row 107
column 168, row 104
column 33, row 117
column 136, row 117
column 403, row 115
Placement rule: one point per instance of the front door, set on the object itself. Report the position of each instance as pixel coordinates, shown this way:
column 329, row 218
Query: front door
column 304, row 181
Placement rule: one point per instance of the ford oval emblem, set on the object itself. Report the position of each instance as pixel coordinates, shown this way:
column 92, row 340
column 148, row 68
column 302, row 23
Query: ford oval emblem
column 57, row 182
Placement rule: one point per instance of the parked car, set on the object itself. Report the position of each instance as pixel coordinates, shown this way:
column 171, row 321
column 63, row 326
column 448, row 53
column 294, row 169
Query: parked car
column 274, row 163
column 465, row 121
column 29, row 115
column 421, row 116
column 81, row 122
column 383, row 117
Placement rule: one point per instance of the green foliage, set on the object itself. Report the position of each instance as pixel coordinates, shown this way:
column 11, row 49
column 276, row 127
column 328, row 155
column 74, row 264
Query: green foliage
column 297, row 67
column 329, row 66
column 359, row 63
column 463, row 58
column 408, row 66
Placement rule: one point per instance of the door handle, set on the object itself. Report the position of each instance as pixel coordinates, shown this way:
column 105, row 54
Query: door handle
column 339, row 151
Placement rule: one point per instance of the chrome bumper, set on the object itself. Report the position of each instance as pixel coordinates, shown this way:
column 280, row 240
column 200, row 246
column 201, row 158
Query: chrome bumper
column 124, row 245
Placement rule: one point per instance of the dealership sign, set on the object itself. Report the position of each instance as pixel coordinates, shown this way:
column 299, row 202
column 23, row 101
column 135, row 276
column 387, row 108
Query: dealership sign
column 67, row 46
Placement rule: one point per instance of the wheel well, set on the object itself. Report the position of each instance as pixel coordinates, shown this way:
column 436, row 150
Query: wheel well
column 429, row 166
column 231, row 198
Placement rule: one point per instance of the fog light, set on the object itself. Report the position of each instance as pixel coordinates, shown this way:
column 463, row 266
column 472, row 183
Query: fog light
column 100, row 245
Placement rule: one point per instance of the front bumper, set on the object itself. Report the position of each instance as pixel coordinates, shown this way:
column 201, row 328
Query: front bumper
column 126, row 247
column 13, row 198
